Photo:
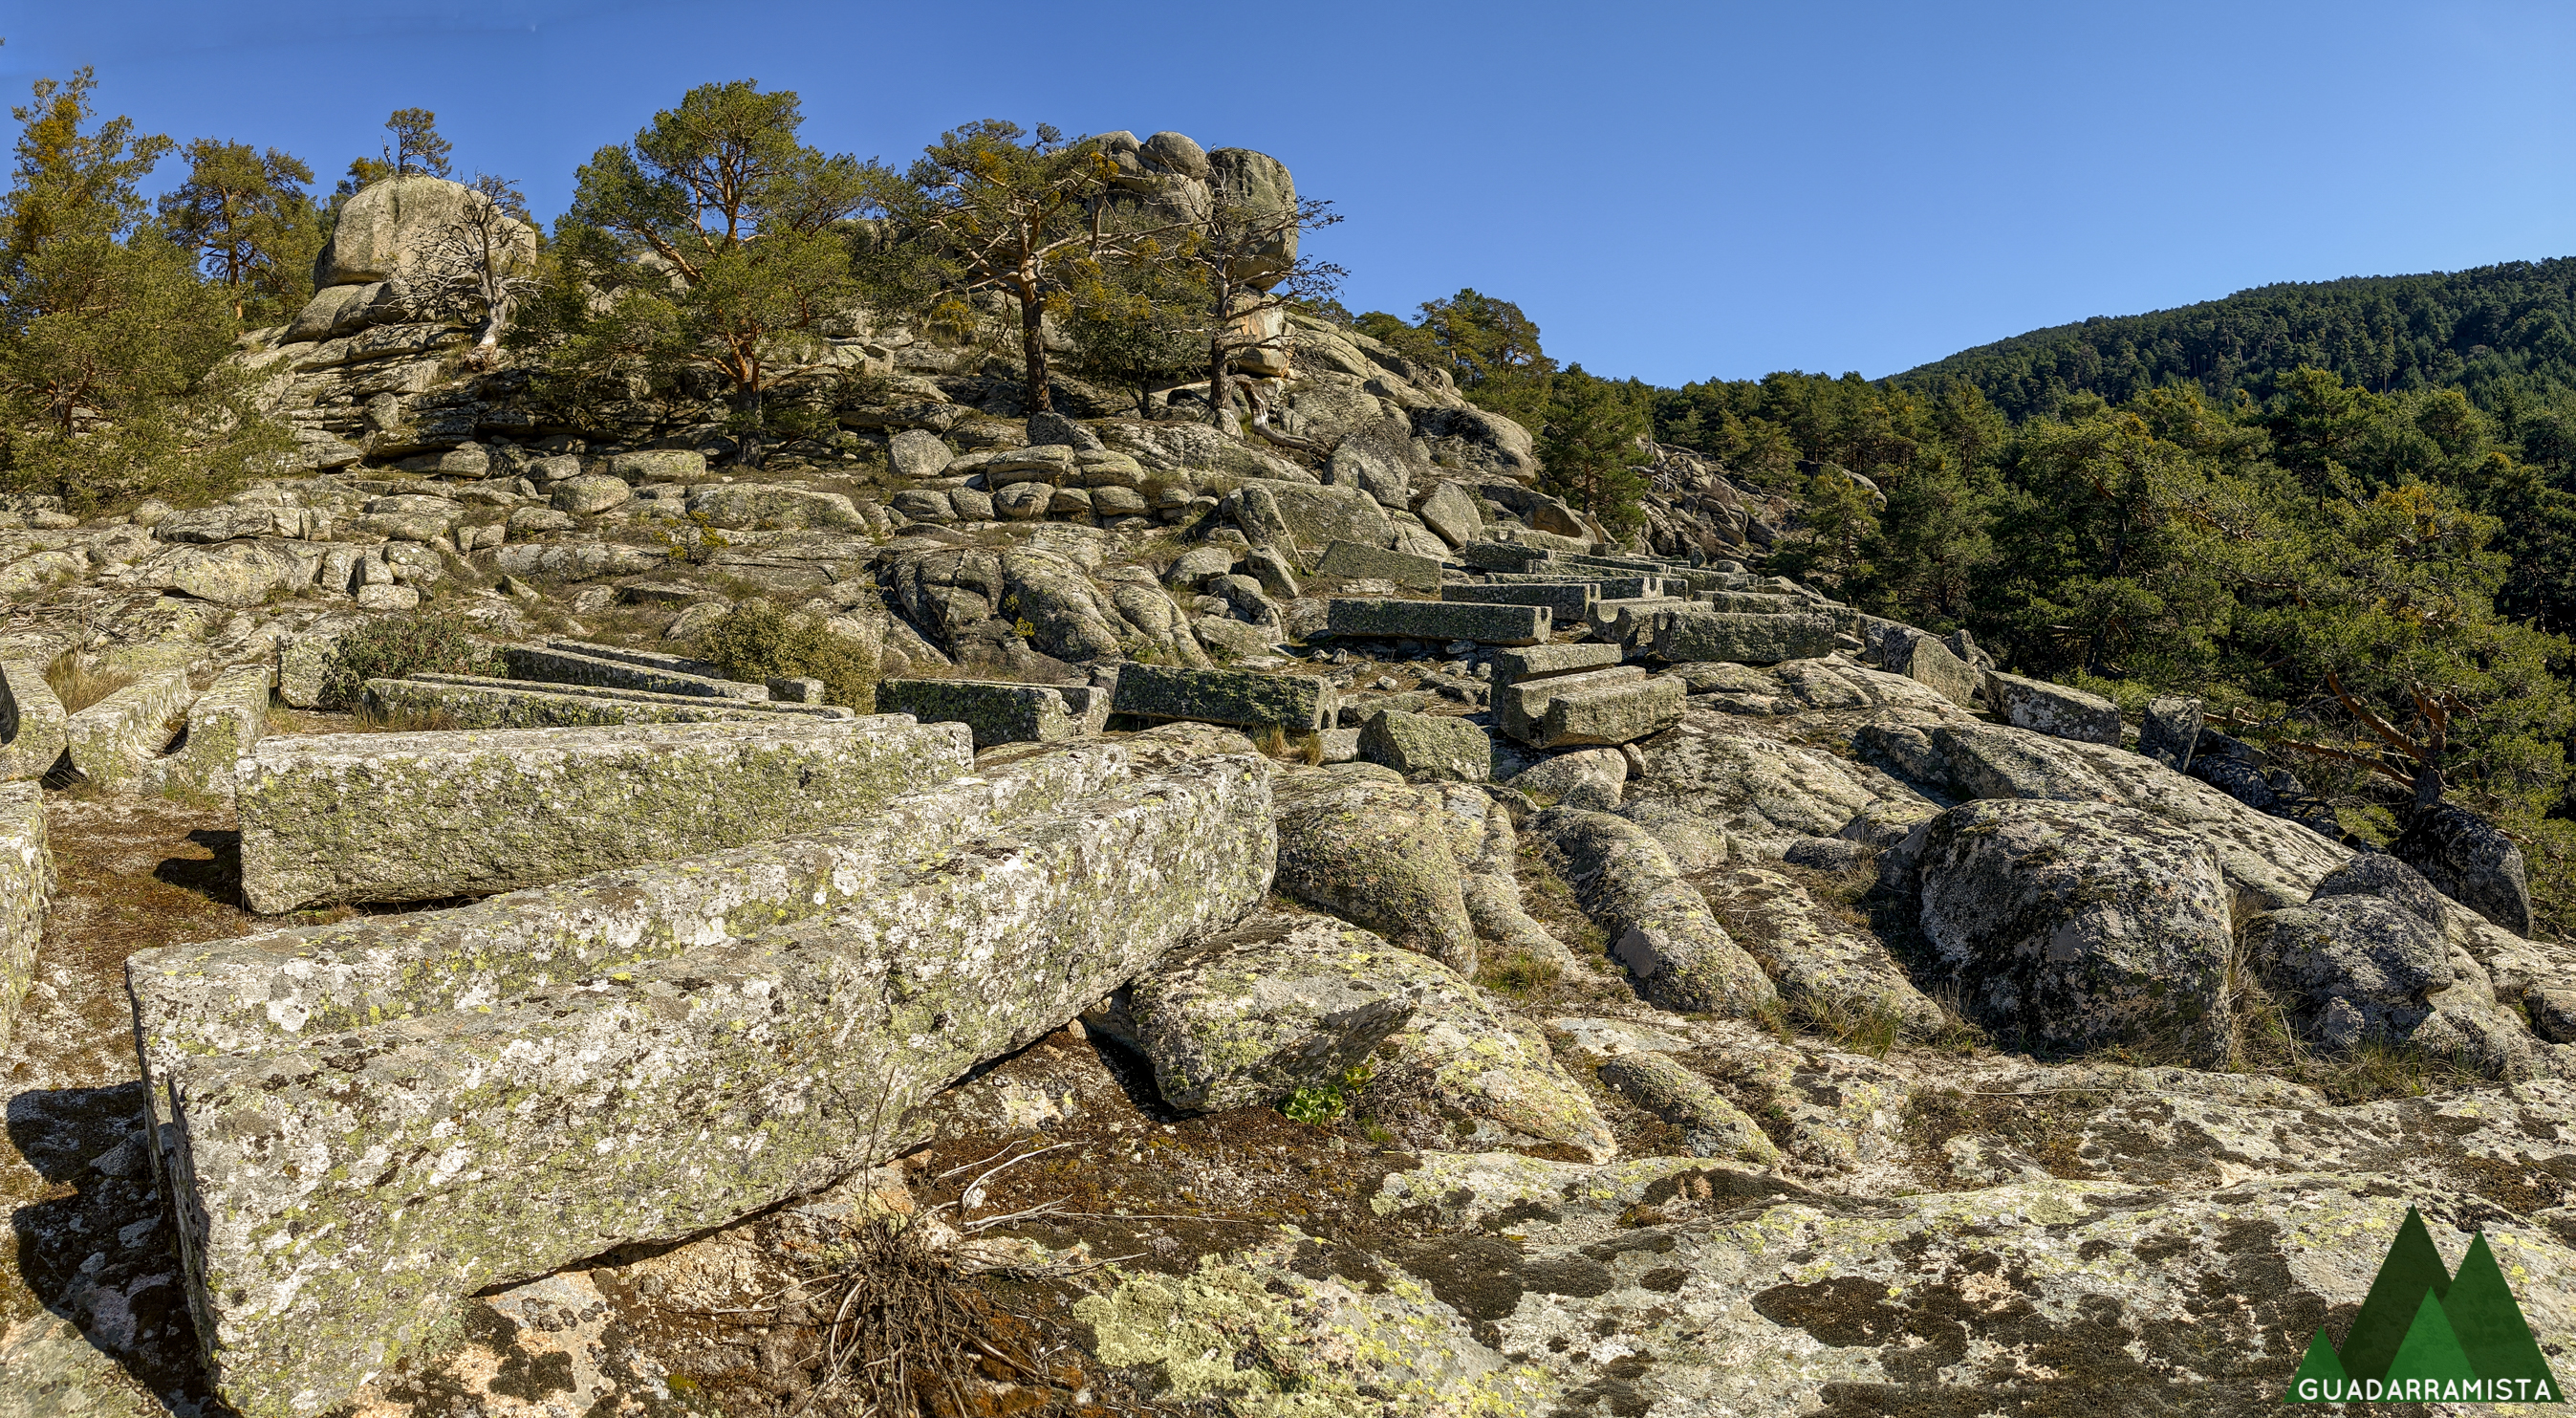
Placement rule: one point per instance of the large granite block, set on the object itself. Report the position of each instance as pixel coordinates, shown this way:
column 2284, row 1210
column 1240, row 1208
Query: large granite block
column 111, row 741
column 1438, row 620
column 1350, row 561
column 1567, row 602
column 223, row 724
column 998, row 711
column 1687, row 635
column 478, row 702
column 1503, row 556
column 1294, row 702
column 548, row 664
column 1608, row 713
column 33, row 748
column 2061, row 711
column 337, row 1198
column 1521, row 707
column 411, row 817
column 1546, row 661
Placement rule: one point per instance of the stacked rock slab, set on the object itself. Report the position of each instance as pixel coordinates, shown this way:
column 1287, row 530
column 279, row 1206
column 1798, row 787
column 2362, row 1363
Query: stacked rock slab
column 1299, row 703
column 110, row 742
column 2053, row 709
column 478, row 702
column 411, row 817
column 26, row 889
column 1567, row 602
column 1350, row 561
column 1695, row 634
column 999, row 711
column 338, row 1195
column 1438, row 620
column 557, row 664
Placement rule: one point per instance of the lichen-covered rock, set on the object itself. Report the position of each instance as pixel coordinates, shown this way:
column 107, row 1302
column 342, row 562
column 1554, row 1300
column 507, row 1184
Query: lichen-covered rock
column 2169, row 731
column 337, row 1198
column 35, row 743
column 1930, row 663
column 1616, row 713
column 1356, row 841
column 2057, row 710
column 1698, row 634
column 590, row 494
column 1350, row 561
column 1711, row 1126
column 2353, row 969
column 2470, row 860
column 1659, row 926
column 410, row 817
column 1435, row 746
column 2074, row 926
column 590, row 665
column 1757, row 788
column 1294, row 702
column 1438, row 620
column 2381, row 875
column 111, row 741
column 997, row 712
column 1823, row 974
column 1278, row 1002
column 475, row 702
column 223, row 723
column 1491, row 1078
column 1591, row 778
column 26, row 895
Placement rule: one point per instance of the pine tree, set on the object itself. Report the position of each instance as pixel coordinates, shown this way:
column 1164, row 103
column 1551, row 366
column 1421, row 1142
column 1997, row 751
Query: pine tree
column 247, row 218
column 1589, row 448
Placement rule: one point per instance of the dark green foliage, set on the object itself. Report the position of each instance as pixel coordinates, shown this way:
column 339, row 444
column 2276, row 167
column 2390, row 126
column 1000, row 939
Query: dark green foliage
column 2508, row 325
column 247, row 218
column 431, row 640
column 1487, row 345
column 757, row 641
column 1590, row 446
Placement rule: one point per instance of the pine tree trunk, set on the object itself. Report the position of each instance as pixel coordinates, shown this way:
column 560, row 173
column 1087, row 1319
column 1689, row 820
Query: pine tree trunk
column 1220, row 392
column 1033, row 399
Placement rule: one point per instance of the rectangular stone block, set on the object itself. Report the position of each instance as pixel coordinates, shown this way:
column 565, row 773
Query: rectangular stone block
column 1296, row 703
column 337, row 1199
column 222, row 725
column 1503, row 556
column 1683, row 636
column 547, row 664
column 302, row 663
column 112, row 740
column 1350, row 561
column 1624, row 621
column 473, row 702
column 2061, row 711
column 1610, row 713
column 411, row 817
column 1751, row 602
column 649, row 659
column 1546, row 661
column 1438, row 620
column 1567, row 602
column 999, row 711
column 1520, row 709
column 43, row 728
column 273, row 987
column 1604, row 588
column 26, row 894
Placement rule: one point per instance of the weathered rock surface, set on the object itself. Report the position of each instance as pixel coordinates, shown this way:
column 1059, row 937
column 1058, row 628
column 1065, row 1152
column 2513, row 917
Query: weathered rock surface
column 1660, row 928
column 26, row 891
column 606, row 667
column 476, row 702
column 2057, row 710
column 35, row 743
column 2353, row 969
column 1439, row 620
column 783, row 1052
column 999, row 712
column 1711, row 1126
column 1293, row 702
column 1354, row 840
column 1826, row 971
column 1435, row 746
column 409, row 817
column 111, row 741
column 2073, row 926
column 223, row 723
column 1685, row 635
column 2470, row 860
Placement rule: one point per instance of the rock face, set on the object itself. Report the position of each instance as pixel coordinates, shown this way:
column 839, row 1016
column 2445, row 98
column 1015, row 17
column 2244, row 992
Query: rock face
column 2469, row 860
column 1280, row 1002
column 26, row 891
column 1436, row 746
column 2354, row 969
column 1356, row 841
column 2169, row 731
column 1711, row 1126
column 409, row 817
column 388, row 230
column 572, row 1095
column 2073, row 926
column 1661, row 929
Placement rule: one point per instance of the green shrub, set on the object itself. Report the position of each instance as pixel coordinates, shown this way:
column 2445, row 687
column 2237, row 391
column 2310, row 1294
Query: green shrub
column 432, row 639
column 757, row 641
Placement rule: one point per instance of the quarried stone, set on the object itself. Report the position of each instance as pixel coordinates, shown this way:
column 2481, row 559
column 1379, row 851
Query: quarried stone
column 1293, row 702
column 998, row 711
column 1438, row 620
column 112, row 740
column 1351, row 561
column 2060, row 711
column 26, row 893
column 1682, row 636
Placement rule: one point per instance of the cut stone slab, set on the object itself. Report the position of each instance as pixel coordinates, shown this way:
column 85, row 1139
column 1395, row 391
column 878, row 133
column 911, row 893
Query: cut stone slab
column 303, row 662
column 1350, row 561
column 112, row 740
column 337, row 1200
column 1503, row 556
column 1608, row 713
column 1441, row 747
column 649, row 659
column 412, row 817
column 999, row 711
column 26, row 895
column 1625, row 619
column 264, row 989
column 2057, row 710
column 475, row 702
column 1751, row 602
column 1283, row 1001
column 1605, row 588
column 1438, row 620
column 1683, row 636
column 1567, row 602
column 1295, row 702
column 36, row 744
column 1548, row 661
column 553, row 665
column 1930, row 663
column 222, row 725
column 1520, row 707
column 2170, row 730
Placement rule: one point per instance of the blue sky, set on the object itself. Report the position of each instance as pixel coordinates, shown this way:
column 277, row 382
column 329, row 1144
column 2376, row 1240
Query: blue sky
column 1672, row 191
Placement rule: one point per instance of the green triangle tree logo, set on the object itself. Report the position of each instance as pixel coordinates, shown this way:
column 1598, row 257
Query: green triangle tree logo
column 2424, row 1336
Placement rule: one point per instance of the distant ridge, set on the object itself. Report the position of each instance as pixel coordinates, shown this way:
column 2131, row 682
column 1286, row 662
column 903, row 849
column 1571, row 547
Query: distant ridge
column 2491, row 328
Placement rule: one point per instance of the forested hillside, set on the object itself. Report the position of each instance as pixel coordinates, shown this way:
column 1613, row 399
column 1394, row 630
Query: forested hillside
column 2499, row 331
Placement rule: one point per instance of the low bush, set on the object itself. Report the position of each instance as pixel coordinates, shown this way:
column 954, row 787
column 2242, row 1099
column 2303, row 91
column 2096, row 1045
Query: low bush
column 757, row 641
column 432, row 639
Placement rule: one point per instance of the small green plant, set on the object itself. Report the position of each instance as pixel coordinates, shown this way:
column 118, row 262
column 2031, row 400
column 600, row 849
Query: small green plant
column 695, row 544
column 432, row 639
column 1323, row 1104
column 757, row 641
column 1518, row 973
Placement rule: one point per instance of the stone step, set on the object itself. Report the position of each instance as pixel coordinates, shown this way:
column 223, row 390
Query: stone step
column 547, row 664
column 410, row 817
column 1297, row 703
column 1000, row 711
column 1350, row 561
column 1567, row 602
column 1438, row 621
column 339, row 1199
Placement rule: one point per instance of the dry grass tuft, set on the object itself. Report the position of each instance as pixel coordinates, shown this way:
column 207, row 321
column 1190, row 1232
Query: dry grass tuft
column 79, row 686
